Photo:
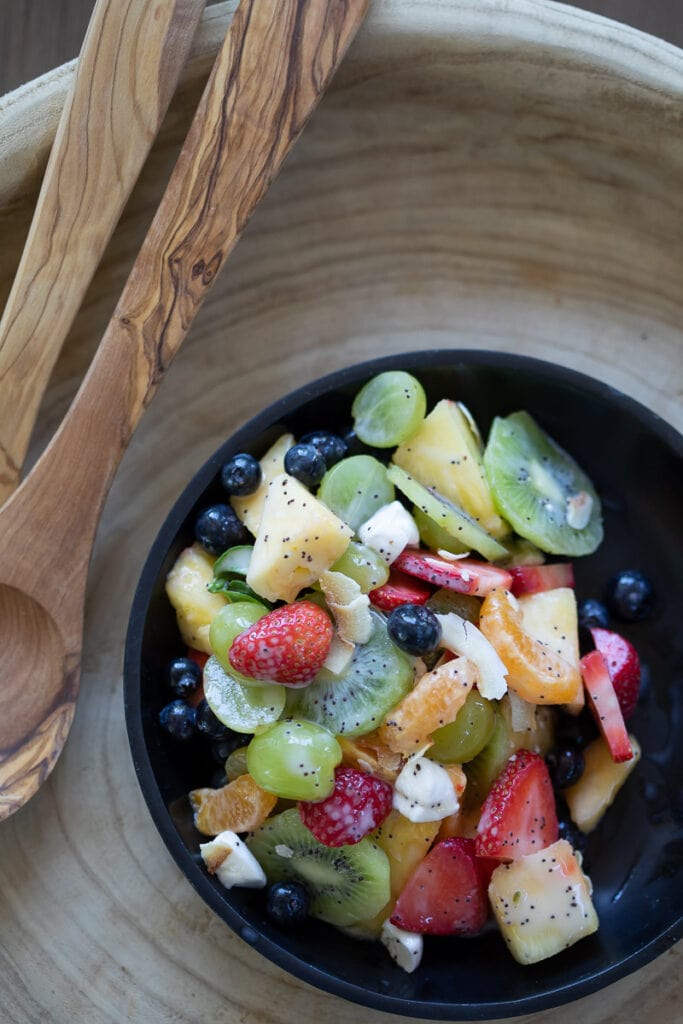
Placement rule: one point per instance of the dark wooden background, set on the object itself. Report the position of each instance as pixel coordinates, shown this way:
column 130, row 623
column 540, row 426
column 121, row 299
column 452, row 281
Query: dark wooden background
column 36, row 35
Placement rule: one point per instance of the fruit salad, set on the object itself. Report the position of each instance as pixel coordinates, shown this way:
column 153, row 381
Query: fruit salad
column 415, row 724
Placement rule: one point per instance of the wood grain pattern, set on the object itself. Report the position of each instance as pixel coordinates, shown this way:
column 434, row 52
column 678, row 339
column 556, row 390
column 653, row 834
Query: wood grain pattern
column 479, row 175
column 127, row 71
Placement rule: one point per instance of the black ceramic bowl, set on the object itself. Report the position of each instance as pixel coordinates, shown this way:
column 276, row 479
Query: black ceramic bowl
column 635, row 856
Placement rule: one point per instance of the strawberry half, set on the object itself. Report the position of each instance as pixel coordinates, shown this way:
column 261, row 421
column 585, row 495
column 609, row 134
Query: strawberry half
column 519, row 814
column 288, row 645
column 358, row 803
column 400, row 589
column 446, row 893
column 604, row 704
column 623, row 665
column 465, row 575
column 534, row 579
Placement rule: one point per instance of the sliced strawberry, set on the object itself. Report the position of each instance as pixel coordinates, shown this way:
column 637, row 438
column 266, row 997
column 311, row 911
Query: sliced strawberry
column 400, row 589
column 446, row 893
column 358, row 804
column 534, row 579
column 465, row 575
column 623, row 665
column 199, row 656
column 288, row 645
column 519, row 814
column 604, row 704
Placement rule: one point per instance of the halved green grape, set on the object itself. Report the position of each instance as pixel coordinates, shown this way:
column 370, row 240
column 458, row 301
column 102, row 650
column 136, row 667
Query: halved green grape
column 540, row 489
column 228, row 624
column 388, row 409
column 447, row 515
column 363, row 565
column 356, row 488
column 466, row 606
column 460, row 741
column 236, row 763
column 434, row 536
column 294, row 760
column 242, row 708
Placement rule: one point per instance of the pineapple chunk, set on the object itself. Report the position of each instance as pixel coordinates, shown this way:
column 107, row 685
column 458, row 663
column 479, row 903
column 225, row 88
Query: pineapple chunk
column 445, row 454
column 298, row 539
column 552, row 618
column 250, row 507
column 542, row 903
column 589, row 798
column 186, row 587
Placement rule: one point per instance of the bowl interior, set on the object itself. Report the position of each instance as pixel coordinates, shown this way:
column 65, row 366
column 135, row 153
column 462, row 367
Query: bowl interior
column 634, row 857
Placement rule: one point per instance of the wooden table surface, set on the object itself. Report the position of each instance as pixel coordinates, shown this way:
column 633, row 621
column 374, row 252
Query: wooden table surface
column 96, row 922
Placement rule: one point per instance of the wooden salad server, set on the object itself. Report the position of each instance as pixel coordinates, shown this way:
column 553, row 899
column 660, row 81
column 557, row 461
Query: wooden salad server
column 127, row 72
column 273, row 67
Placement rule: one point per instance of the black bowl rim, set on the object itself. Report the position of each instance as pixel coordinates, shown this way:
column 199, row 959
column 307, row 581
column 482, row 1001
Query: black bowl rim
column 276, row 953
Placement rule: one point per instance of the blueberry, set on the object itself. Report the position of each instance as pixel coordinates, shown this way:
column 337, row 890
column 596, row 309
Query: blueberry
column 217, row 528
column 305, row 462
column 178, row 720
column 218, row 779
column 331, row 446
column 576, row 730
column 593, row 613
column 184, row 676
column 242, row 474
column 566, row 765
column 288, row 902
column 414, row 628
column 572, row 833
column 207, row 723
column 630, row 595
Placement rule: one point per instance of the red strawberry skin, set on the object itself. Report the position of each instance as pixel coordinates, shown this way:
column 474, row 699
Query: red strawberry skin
column 604, row 704
column 623, row 665
column 400, row 589
column 288, row 645
column 534, row 579
column 519, row 815
column 466, row 575
column 446, row 893
column 358, row 804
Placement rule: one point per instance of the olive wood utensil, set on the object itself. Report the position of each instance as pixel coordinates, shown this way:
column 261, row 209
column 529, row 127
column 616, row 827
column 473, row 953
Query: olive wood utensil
column 275, row 63
column 127, row 72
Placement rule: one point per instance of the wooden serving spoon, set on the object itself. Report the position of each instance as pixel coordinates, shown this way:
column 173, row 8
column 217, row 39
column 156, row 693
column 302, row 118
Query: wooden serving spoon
column 127, row 72
column 275, row 63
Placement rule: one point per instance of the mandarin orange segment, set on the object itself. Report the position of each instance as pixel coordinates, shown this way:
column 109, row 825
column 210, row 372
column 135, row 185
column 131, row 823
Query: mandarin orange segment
column 241, row 806
column 535, row 672
column 434, row 701
column 368, row 754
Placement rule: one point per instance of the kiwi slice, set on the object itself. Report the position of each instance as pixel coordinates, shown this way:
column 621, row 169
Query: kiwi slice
column 356, row 701
column 448, row 516
column 539, row 488
column 434, row 536
column 347, row 883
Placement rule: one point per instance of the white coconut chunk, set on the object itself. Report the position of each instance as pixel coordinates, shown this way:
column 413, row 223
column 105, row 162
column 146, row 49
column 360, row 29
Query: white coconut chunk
column 349, row 606
column 424, row 791
column 404, row 947
column 232, row 862
column 463, row 638
column 389, row 531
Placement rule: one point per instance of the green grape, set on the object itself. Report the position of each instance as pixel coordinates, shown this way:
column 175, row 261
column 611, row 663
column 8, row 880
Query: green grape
column 388, row 409
column 228, row 624
column 461, row 740
column 466, row 606
column 236, row 764
column 363, row 565
column 295, row 760
column 356, row 488
column 241, row 708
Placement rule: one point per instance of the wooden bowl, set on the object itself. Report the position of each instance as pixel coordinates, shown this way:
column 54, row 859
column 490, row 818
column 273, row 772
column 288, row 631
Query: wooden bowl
column 480, row 176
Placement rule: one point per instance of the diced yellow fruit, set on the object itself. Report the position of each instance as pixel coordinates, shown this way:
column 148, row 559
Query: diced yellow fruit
column 186, row 588
column 297, row 540
column 241, row 806
column 250, row 507
column 542, row 903
column 445, row 454
column 552, row 618
column 433, row 702
column 589, row 798
column 405, row 844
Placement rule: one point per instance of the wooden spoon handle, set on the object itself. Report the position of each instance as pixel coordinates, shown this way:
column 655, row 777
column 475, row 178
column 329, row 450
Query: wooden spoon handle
column 129, row 65
column 275, row 63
